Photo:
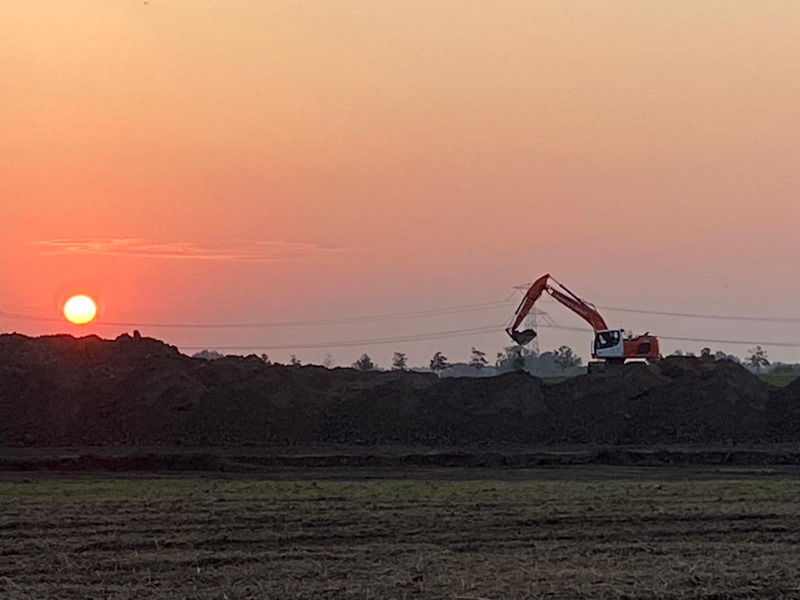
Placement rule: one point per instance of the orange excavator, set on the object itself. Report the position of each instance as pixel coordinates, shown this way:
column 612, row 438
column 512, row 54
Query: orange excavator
column 610, row 345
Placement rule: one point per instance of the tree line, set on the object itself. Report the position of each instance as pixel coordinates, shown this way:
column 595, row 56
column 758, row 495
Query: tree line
column 757, row 358
column 562, row 361
column 512, row 358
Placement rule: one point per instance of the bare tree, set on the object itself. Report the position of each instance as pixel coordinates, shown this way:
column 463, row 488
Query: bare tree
column 399, row 361
column 757, row 358
column 439, row 362
column 328, row 361
column 294, row 361
column 478, row 359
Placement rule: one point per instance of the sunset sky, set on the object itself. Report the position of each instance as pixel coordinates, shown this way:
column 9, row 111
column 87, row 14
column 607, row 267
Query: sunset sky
column 235, row 161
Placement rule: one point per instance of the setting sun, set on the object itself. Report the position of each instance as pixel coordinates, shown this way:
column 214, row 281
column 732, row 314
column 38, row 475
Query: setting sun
column 80, row 310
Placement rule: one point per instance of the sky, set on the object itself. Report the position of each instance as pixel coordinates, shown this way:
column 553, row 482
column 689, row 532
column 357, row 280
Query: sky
column 195, row 162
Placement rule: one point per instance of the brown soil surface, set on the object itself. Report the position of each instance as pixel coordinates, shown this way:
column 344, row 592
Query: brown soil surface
column 208, row 539
column 63, row 391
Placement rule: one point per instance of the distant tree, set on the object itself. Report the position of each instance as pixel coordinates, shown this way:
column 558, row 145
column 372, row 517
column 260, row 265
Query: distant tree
column 677, row 353
column 327, row 361
column 566, row 359
column 208, row 355
column 294, row 361
column 364, row 363
column 518, row 359
column 785, row 368
column 439, row 362
column 265, row 359
column 705, row 354
column 478, row 359
column 399, row 361
column 514, row 358
column 757, row 358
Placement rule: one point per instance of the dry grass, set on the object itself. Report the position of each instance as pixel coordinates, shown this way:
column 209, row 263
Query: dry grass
column 206, row 538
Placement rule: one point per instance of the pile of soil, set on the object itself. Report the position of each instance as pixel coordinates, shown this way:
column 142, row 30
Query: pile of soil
column 702, row 401
column 784, row 412
column 423, row 409
column 63, row 391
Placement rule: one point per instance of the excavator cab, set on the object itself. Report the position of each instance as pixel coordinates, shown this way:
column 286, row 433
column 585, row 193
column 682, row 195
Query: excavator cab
column 609, row 343
column 614, row 346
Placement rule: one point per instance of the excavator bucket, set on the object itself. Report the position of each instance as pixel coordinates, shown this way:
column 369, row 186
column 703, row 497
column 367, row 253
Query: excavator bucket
column 522, row 337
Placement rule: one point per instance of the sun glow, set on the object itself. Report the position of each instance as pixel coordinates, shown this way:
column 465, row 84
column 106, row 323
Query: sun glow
column 80, row 310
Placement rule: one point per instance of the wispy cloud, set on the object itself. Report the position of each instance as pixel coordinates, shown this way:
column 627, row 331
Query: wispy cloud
column 247, row 251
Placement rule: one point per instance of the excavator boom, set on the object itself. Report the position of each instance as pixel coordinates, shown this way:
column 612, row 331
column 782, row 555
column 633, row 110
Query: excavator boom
column 582, row 308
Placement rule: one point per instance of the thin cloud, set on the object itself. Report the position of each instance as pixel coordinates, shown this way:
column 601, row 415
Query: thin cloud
column 259, row 251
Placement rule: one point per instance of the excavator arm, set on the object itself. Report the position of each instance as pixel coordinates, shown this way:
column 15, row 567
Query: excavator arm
column 531, row 296
column 583, row 309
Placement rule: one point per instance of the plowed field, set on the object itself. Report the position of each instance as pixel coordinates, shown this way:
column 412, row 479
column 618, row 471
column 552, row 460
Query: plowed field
column 469, row 540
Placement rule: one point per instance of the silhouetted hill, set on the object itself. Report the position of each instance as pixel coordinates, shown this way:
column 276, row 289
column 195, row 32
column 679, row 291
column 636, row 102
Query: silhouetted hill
column 65, row 391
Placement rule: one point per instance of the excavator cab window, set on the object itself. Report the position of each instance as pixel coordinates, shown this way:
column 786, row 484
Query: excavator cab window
column 608, row 339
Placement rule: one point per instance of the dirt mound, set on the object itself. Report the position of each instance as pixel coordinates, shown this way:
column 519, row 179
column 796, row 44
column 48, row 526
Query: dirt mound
column 596, row 408
column 62, row 391
column 784, row 412
column 704, row 402
column 21, row 350
column 421, row 409
column 678, row 399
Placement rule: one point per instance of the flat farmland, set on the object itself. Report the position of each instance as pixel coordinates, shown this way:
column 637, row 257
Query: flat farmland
column 185, row 537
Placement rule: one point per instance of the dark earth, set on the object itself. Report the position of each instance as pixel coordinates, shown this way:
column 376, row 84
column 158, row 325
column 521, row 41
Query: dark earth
column 62, row 391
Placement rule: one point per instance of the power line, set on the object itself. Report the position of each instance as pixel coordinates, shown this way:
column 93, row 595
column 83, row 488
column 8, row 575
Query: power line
column 691, row 339
column 438, row 335
column 693, row 315
column 444, row 311
column 417, row 337
column 733, row 342
column 702, row 315
column 435, row 312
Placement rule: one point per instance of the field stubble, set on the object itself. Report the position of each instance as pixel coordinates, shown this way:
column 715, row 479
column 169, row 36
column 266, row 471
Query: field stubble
column 215, row 538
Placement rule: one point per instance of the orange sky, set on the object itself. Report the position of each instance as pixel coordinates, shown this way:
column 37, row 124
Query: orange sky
column 202, row 161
